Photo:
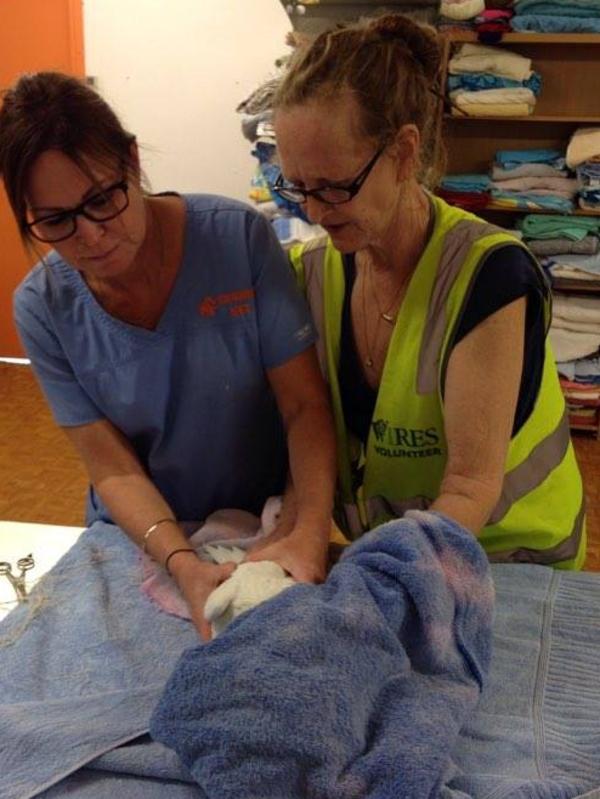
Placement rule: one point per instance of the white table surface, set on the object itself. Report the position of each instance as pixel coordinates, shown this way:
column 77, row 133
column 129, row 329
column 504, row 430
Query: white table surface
column 46, row 542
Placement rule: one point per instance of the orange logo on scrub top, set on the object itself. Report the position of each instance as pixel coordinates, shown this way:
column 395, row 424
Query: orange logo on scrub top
column 232, row 300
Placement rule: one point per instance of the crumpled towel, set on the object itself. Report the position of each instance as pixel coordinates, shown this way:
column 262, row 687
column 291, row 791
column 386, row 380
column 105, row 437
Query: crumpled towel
column 232, row 529
column 249, row 586
column 353, row 689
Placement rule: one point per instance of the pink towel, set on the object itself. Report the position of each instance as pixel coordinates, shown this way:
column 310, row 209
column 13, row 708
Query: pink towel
column 229, row 528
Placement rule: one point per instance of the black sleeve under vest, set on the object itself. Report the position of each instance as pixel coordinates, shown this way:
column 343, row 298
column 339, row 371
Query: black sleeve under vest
column 505, row 275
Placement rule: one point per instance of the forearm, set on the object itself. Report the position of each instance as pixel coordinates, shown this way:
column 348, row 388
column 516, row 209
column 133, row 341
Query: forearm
column 119, row 478
column 311, row 445
column 135, row 504
column 467, row 501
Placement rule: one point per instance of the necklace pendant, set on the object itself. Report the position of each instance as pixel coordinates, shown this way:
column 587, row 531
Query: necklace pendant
column 388, row 317
column 369, row 362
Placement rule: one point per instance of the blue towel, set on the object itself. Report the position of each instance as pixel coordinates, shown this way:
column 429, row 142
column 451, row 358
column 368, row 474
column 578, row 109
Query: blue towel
column 549, row 23
column 513, row 158
column 82, row 664
column 466, row 182
column 476, row 81
column 563, row 8
column 536, row 731
column 355, row 688
column 90, row 637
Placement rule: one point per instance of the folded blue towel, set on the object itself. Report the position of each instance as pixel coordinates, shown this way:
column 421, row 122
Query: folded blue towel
column 549, row 23
column 513, row 158
column 466, row 182
column 354, row 688
column 476, row 81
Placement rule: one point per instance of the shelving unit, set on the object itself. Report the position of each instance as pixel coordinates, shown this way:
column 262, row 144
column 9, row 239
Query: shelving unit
column 568, row 63
column 569, row 98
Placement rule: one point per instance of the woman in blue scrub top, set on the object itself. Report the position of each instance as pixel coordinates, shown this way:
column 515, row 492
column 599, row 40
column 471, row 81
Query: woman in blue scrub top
column 168, row 336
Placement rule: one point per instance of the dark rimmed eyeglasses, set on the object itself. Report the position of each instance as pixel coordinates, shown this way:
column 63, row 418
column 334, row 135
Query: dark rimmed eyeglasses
column 100, row 207
column 331, row 195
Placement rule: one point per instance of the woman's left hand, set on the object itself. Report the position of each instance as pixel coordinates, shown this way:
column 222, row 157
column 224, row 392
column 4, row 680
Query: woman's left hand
column 301, row 553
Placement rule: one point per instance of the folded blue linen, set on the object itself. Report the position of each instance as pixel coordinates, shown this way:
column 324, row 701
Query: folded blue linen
column 564, row 8
column 356, row 688
column 551, row 23
column 466, row 182
column 584, row 263
column 512, row 158
column 474, row 81
column 530, row 201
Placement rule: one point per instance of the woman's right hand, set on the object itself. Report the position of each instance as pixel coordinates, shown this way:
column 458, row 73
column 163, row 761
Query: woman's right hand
column 196, row 580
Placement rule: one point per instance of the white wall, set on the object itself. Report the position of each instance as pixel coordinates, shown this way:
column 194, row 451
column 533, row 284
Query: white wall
column 174, row 71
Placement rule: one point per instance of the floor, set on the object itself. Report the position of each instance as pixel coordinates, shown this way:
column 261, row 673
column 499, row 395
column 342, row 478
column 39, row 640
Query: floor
column 41, row 479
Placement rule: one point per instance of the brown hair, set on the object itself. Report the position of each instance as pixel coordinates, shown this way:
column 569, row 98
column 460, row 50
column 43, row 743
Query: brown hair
column 392, row 66
column 51, row 111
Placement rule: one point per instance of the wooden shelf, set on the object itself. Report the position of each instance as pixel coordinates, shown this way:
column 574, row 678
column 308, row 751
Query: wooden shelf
column 575, row 286
column 587, row 428
column 566, row 119
column 568, row 99
column 503, row 210
column 526, row 38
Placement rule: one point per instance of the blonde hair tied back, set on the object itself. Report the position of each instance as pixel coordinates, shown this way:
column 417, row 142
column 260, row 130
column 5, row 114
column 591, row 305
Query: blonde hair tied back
column 390, row 64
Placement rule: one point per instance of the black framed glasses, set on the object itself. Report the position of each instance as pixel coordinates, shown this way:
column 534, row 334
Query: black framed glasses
column 100, row 207
column 331, row 195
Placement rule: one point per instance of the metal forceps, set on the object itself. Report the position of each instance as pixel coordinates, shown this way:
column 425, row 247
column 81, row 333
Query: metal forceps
column 18, row 581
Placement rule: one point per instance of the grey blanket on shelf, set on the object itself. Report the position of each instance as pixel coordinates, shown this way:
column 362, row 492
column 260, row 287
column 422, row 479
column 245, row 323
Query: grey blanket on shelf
column 84, row 664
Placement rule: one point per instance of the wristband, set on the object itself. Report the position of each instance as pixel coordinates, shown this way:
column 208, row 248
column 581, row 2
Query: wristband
column 174, row 552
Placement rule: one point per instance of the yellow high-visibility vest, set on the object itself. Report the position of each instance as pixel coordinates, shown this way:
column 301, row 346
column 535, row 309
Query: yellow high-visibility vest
column 540, row 517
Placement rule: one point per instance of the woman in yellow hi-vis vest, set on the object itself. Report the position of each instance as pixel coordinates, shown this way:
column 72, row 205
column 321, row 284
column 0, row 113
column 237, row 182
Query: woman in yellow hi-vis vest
column 432, row 323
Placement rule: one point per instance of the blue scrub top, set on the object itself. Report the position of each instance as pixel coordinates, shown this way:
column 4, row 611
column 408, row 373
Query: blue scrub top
column 192, row 395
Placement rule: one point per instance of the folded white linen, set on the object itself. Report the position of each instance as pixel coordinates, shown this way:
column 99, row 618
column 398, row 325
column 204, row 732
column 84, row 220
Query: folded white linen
column 568, row 185
column 493, row 96
column 461, row 9
column 569, row 345
column 582, row 309
column 479, row 58
column 526, row 170
column 583, row 146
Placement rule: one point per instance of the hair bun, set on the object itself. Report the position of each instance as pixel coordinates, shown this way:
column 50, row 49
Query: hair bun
column 422, row 41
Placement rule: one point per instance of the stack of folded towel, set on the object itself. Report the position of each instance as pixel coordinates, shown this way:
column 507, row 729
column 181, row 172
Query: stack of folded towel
column 575, row 335
column 492, row 24
column 552, row 16
column 488, row 20
column 491, row 81
column 568, row 248
column 532, row 180
column 468, row 191
column 583, row 155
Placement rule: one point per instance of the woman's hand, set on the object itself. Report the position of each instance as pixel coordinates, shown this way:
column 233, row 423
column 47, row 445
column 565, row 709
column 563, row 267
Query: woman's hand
column 301, row 553
column 196, row 580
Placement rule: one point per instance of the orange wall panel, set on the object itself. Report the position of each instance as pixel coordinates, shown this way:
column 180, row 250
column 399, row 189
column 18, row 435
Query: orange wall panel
column 34, row 35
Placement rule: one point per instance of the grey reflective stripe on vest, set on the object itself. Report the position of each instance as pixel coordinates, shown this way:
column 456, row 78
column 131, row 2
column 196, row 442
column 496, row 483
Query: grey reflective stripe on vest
column 378, row 507
column 566, row 550
column 313, row 259
column 530, row 473
column 354, row 526
column 457, row 243
column 381, row 506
